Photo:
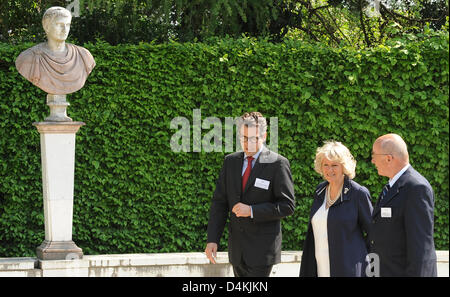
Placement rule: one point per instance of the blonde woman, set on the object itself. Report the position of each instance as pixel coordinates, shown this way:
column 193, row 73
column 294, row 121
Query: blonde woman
column 340, row 217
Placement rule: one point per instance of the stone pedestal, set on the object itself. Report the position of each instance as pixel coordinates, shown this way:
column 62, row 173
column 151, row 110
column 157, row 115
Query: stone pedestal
column 58, row 170
column 58, row 108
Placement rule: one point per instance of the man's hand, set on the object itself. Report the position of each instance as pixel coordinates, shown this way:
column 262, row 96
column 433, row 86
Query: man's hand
column 211, row 251
column 242, row 210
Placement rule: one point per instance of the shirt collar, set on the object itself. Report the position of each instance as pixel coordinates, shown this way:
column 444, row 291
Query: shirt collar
column 397, row 176
column 255, row 156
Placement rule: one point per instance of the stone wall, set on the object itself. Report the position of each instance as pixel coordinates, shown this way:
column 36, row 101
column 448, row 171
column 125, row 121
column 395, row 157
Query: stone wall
column 169, row 264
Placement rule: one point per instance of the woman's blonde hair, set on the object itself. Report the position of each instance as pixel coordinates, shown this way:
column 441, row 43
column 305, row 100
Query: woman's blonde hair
column 335, row 151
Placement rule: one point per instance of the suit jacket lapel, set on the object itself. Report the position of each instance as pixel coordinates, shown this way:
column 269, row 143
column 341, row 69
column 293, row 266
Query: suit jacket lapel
column 236, row 171
column 346, row 187
column 390, row 194
column 393, row 192
column 319, row 196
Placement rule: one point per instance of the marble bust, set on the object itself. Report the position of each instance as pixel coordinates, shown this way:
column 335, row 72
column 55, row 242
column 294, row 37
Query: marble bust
column 56, row 67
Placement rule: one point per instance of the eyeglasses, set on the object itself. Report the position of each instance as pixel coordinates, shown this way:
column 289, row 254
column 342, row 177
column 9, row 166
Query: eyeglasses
column 373, row 154
column 252, row 139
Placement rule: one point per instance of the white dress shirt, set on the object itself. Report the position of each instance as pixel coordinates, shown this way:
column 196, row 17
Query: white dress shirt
column 320, row 229
column 397, row 176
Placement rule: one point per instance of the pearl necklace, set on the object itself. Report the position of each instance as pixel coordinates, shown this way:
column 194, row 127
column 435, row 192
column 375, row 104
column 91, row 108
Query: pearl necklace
column 328, row 196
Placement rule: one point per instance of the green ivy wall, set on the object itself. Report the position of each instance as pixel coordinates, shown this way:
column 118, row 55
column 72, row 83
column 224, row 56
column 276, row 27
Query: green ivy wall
column 133, row 194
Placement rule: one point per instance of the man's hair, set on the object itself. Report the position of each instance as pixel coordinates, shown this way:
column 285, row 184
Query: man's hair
column 54, row 12
column 253, row 119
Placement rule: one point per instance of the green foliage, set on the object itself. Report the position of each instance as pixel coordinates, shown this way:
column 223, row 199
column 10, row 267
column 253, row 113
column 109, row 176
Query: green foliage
column 133, row 21
column 365, row 23
column 133, row 194
column 357, row 23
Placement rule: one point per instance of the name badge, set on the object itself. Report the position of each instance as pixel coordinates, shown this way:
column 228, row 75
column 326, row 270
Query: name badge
column 262, row 183
column 386, row 212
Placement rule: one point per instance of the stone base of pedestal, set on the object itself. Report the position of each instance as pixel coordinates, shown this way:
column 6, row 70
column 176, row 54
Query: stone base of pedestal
column 58, row 250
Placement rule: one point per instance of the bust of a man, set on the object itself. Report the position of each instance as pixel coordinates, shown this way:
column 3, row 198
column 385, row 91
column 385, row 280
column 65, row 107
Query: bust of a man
column 55, row 66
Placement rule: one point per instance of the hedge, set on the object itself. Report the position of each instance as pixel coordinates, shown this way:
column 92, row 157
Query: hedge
column 133, row 194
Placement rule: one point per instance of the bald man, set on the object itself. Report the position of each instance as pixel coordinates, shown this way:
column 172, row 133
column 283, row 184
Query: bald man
column 402, row 229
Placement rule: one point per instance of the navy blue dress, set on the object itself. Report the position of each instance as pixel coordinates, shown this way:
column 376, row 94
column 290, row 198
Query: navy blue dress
column 349, row 222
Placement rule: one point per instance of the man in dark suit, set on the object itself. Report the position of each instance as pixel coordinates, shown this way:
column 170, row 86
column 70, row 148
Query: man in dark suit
column 402, row 230
column 255, row 190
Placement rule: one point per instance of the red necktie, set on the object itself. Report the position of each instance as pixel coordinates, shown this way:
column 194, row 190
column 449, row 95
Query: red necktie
column 247, row 172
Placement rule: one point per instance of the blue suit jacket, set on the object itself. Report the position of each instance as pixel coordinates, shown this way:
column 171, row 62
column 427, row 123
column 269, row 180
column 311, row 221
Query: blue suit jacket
column 348, row 220
column 404, row 241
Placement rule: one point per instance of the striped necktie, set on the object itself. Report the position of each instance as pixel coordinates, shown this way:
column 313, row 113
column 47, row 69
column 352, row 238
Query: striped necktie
column 385, row 191
column 247, row 172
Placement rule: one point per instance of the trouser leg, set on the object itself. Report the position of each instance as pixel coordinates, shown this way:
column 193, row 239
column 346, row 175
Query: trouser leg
column 243, row 270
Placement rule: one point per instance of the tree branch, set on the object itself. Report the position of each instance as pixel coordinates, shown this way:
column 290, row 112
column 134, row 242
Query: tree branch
column 339, row 29
column 394, row 15
column 313, row 11
column 361, row 20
